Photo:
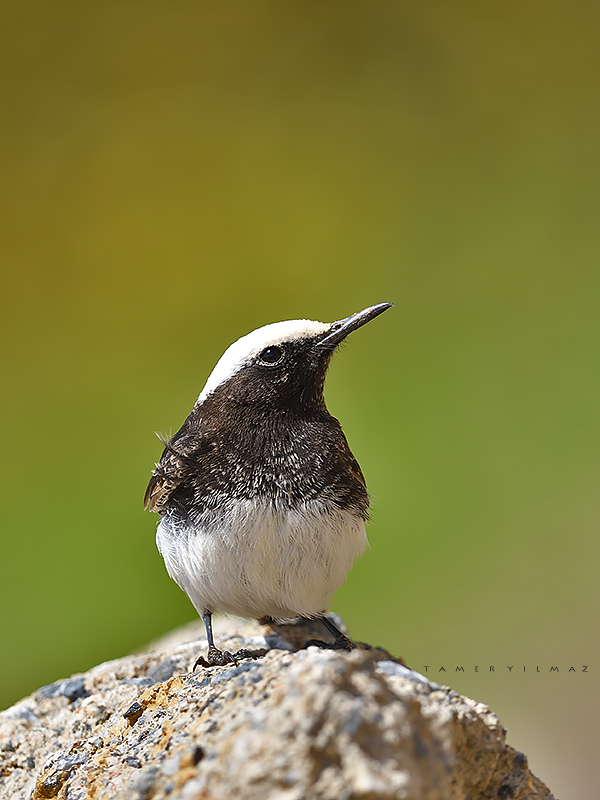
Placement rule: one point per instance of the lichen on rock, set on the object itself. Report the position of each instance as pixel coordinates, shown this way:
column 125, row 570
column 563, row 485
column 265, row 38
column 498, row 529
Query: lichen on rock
column 294, row 724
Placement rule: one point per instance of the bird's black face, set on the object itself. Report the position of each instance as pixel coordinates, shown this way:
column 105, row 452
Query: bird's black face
column 283, row 375
column 284, row 365
column 281, row 366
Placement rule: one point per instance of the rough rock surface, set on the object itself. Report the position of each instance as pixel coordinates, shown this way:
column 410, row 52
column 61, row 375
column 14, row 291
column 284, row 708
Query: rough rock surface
column 292, row 724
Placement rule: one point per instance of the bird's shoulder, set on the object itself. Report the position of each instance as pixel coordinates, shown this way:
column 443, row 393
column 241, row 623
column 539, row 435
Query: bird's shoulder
column 179, row 461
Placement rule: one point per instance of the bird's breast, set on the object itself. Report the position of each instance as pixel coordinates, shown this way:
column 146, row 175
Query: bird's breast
column 280, row 462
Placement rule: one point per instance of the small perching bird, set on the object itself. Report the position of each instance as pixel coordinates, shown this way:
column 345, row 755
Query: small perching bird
column 262, row 504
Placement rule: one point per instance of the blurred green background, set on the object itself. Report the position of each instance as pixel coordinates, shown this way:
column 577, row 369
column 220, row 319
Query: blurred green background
column 177, row 174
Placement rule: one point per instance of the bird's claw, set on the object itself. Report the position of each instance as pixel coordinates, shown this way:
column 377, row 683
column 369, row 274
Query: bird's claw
column 220, row 658
column 215, row 658
column 341, row 643
column 253, row 654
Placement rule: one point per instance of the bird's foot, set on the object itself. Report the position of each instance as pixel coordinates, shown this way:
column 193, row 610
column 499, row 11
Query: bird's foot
column 253, row 654
column 341, row 643
column 215, row 658
column 220, row 658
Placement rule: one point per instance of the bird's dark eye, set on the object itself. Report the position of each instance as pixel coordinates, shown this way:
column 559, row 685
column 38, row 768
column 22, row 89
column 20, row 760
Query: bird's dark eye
column 271, row 355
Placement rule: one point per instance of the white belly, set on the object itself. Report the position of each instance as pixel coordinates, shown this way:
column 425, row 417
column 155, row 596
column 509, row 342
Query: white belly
column 254, row 560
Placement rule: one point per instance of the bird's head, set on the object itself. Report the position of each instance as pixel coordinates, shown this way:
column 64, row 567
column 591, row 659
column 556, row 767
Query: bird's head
column 281, row 365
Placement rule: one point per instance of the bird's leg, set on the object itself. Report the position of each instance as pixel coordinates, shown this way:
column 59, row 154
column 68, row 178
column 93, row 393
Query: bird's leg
column 342, row 642
column 219, row 658
column 214, row 657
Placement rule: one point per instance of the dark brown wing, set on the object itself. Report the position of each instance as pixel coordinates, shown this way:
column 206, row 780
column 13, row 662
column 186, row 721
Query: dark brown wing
column 167, row 476
column 176, row 467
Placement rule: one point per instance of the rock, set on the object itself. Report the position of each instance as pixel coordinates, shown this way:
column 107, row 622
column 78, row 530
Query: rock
column 290, row 725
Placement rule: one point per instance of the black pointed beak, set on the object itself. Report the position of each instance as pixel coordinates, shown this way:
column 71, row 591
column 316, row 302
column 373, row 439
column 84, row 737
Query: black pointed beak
column 340, row 329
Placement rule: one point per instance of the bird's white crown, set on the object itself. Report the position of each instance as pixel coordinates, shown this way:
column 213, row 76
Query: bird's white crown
column 245, row 350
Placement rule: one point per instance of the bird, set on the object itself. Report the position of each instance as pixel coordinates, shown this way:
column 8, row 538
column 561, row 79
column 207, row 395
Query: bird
column 262, row 504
